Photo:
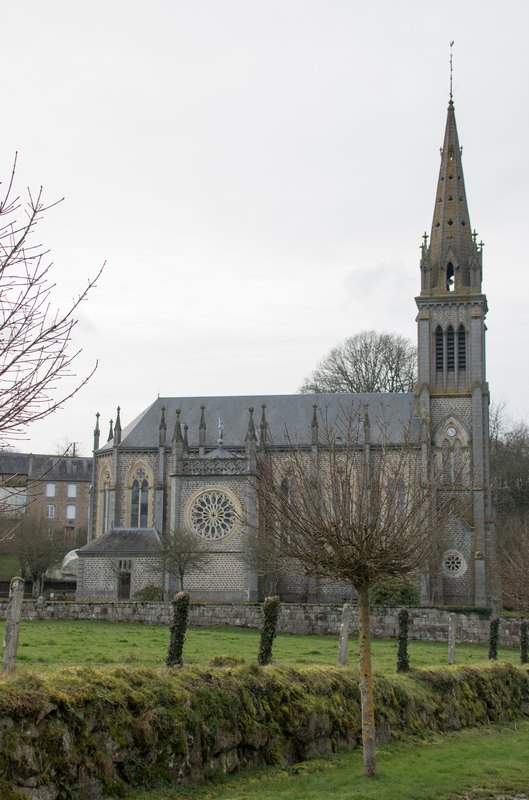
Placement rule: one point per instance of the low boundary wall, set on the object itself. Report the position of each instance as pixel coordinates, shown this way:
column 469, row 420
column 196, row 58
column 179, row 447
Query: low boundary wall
column 427, row 624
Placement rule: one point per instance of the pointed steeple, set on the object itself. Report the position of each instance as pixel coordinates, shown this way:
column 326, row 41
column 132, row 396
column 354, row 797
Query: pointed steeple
column 263, row 428
column 111, row 431
column 314, row 425
column 162, row 430
column 177, row 432
column 96, row 433
column 202, row 432
column 452, row 261
column 250, row 431
column 117, row 429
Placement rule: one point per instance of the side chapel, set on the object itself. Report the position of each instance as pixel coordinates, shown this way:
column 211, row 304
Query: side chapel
column 183, row 463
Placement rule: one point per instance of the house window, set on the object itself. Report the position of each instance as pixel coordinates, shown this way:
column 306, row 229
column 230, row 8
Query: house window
column 50, row 511
column 72, row 490
column 70, row 512
column 50, row 490
column 140, row 500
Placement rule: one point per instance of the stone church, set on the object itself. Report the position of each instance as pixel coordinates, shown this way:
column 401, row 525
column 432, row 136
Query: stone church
column 183, row 464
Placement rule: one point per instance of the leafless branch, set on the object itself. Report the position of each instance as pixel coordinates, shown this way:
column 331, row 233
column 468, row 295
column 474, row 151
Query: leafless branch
column 35, row 338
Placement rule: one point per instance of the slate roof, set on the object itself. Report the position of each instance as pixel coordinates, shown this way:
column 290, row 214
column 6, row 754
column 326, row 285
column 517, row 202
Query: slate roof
column 289, row 417
column 46, row 467
column 125, row 542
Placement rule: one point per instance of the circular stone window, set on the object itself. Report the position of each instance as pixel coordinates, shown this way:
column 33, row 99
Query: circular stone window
column 454, row 564
column 213, row 514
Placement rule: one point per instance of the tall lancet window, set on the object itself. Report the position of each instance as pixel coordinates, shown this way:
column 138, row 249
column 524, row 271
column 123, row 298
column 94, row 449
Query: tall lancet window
column 140, row 500
column 450, row 349
column 450, row 276
column 439, row 349
column 461, row 347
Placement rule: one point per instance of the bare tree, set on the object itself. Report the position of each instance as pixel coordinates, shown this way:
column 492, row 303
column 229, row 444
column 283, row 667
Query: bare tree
column 358, row 510
column 37, row 547
column 35, row 339
column 515, row 559
column 182, row 552
column 509, row 469
column 366, row 362
column 262, row 554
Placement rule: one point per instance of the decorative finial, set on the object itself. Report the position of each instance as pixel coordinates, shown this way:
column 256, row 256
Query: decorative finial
column 221, row 433
column 451, row 69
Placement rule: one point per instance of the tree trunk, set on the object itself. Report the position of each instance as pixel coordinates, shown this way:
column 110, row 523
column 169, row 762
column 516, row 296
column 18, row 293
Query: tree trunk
column 366, row 686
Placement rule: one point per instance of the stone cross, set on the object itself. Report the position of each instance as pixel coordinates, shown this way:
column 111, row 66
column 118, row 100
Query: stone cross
column 12, row 627
column 347, row 612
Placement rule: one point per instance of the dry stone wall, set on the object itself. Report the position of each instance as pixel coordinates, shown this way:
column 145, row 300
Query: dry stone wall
column 426, row 624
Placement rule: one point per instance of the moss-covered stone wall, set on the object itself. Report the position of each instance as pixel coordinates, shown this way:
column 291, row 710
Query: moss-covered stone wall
column 89, row 734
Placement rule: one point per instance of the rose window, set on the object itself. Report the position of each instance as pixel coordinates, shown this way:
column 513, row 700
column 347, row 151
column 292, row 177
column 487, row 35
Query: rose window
column 213, row 515
column 454, row 563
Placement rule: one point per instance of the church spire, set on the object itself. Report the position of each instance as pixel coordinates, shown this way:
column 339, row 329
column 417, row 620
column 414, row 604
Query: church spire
column 452, row 262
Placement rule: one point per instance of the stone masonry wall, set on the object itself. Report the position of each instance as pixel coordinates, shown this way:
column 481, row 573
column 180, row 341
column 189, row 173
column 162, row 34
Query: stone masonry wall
column 427, row 624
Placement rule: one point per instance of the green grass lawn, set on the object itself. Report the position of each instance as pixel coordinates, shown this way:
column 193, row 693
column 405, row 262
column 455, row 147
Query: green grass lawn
column 47, row 645
column 477, row 764
column 492, row 759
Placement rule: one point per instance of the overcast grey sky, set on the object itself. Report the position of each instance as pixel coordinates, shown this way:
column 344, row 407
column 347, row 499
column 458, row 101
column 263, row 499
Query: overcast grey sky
column 258, row 175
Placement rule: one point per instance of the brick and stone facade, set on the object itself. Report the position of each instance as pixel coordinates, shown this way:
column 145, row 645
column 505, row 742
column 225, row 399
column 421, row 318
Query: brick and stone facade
column 48, row 490
column 199, row 476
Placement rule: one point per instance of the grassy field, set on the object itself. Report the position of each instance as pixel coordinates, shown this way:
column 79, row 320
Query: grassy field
column 47, row 645
column 475, row 765
column 472, row 765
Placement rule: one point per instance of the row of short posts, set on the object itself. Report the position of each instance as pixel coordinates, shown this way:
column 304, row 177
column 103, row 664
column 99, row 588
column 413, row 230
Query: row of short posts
column 268, row 631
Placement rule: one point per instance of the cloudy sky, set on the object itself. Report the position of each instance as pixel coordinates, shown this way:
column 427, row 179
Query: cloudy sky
column 258, row 174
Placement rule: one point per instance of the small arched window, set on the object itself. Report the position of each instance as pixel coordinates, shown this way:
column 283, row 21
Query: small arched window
column 461, row 347
column 439, row 349
column 450, row 349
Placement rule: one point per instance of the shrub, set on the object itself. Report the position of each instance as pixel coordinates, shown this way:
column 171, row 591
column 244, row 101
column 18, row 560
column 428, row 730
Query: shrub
column 268, row 631
column 403, row 663
column 178, row 629
column 524, row 640
column 494, row 636
column 150, row 593
column 396, row 592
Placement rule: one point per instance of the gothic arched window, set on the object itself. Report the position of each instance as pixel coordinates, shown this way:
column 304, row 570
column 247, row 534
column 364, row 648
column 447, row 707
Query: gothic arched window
column 139, row 505
column 450, row 349
column 461, row 347
column 450, row 277
column 439, row 349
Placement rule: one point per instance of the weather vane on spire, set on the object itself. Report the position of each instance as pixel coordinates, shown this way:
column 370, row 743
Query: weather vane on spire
column 451, row 70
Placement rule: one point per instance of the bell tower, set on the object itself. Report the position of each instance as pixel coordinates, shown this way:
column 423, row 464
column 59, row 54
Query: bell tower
column 452, row 386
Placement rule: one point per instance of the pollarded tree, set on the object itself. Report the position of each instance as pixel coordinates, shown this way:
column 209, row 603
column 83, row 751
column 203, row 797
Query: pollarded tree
column 358, row 510
column 366, row 362
column 35, row 339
